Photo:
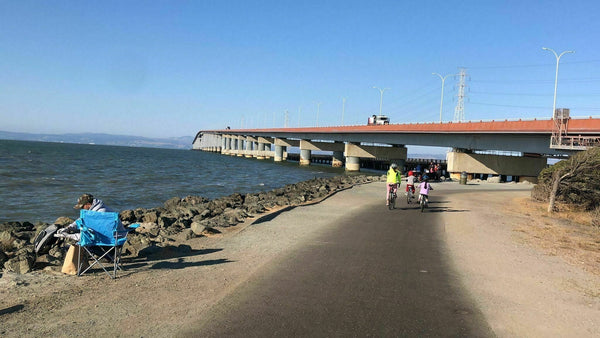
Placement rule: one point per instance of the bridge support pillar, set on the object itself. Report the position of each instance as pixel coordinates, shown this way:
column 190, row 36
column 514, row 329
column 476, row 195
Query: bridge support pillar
column 305, row 156
column 249, row 143
column 526, row 168
column 352, row 163
column 226, row 145
column 224, row 139
column 265, row 151
column 234, row 146
column 307, row 146
column 260, row 151
column 241, row 146
column 337, row 161
column 354, row 152
column 283, row 143
column 279, row 150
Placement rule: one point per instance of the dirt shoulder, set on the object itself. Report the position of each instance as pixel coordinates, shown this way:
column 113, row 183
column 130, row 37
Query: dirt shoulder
column 531, row 275
column 522, row 287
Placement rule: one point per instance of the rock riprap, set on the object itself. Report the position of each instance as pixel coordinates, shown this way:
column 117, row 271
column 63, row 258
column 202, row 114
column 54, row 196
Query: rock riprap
column 177, row 219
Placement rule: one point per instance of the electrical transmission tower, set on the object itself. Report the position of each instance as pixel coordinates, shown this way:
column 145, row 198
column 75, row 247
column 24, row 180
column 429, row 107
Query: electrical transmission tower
column 459, row 110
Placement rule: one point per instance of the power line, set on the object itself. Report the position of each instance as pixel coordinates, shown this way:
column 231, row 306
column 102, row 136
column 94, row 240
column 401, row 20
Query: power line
column 532, row 65
column 535, row 94
column 511, row 106
column 579, row 80
column 532, row 107
column 512, row 94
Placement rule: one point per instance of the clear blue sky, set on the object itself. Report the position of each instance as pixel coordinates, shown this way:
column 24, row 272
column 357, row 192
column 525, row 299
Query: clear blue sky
column 171, row 68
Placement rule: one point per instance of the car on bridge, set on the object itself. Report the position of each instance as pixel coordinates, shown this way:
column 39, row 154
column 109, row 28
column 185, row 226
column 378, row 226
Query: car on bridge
column 378, row 119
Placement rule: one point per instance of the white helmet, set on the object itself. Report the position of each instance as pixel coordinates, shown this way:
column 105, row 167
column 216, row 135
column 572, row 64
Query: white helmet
column 394, row 166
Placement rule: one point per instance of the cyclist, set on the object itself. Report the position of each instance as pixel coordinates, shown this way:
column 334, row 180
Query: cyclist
column 410, row 182
column 393, row 180
column 424, row 188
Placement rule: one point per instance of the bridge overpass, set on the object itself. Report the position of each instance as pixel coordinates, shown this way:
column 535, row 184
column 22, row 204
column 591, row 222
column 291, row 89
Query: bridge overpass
column 534, row 139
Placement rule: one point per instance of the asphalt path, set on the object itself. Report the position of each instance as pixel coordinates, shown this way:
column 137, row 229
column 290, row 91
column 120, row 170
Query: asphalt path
column 377, row 273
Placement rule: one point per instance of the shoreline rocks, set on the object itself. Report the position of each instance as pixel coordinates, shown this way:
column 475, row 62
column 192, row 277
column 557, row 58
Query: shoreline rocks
column 177, row 218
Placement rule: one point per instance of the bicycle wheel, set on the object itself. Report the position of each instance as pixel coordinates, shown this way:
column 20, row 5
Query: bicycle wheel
column 408, row 196
column 392, row 204
column 422, row 204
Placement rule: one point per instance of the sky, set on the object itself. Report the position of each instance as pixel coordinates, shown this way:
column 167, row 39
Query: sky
column 173, row 68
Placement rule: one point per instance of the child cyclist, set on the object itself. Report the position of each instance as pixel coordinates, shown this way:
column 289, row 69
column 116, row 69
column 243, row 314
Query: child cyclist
column 393, row 181
column 410, row 182
column 424, row 188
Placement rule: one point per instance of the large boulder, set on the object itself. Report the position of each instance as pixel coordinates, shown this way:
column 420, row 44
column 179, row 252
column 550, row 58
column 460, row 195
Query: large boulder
column 150, row 217
column 127, row 216
column 3, row 258
column 22, row 262
column 166, row 221
column 198, row 228
column 15, row 235
column 136, row 243
column 63, row 221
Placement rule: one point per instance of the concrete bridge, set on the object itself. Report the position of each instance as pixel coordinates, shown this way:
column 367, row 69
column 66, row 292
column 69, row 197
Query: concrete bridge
column 535, row 141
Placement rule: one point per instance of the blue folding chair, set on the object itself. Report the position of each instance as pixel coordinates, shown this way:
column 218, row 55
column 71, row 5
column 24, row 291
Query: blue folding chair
column 102, row 235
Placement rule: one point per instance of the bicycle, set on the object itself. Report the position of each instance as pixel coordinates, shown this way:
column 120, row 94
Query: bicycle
column 424, row 201
column 410, row 195
column 392, row 197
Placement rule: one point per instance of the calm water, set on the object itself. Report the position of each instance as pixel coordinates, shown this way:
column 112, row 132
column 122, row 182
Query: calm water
column 42, row 181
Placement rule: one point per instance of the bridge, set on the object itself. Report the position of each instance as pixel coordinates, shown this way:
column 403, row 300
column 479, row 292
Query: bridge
column 535, row 141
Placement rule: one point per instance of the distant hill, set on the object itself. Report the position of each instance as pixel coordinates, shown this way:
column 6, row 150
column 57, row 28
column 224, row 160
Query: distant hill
column 184, row 142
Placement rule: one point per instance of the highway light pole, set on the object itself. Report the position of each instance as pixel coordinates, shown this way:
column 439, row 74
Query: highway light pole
column 556, row 77
column 381, row 98
column 443, row 78
column 318, row 111
column 343, row 109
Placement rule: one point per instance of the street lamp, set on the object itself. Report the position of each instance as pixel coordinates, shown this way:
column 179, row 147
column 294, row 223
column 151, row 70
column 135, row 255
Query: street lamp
column 443, row 78
column 556, row 77
column 381, row 98
column 343, row 109
column 318, row 110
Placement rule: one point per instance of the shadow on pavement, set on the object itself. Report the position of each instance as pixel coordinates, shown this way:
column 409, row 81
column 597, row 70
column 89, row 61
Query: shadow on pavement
column 155, row 253
column 430, row 208
column 442, row 209
column 180, row 264
column 148, row 257
column 271, row 216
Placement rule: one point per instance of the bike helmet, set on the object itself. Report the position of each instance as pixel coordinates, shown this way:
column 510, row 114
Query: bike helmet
column 410, row 173
column 394, row 166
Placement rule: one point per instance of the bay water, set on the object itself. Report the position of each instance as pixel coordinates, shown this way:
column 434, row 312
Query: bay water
column 41, row 181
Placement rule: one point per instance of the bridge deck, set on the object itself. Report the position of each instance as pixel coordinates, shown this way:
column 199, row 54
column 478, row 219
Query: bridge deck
column 583, row 126
column 530, row 136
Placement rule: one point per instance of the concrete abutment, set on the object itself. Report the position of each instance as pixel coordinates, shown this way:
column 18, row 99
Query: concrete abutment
column 525, row 167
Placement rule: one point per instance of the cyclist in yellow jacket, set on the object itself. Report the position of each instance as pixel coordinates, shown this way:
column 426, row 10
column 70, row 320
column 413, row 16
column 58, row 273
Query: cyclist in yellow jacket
column 394, row 178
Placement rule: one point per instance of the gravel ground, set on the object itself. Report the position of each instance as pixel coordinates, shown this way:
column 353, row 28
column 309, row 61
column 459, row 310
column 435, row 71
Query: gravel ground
column 523, row 288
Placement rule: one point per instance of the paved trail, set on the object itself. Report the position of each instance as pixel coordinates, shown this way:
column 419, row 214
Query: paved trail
column 376, row 272
column 344, row 267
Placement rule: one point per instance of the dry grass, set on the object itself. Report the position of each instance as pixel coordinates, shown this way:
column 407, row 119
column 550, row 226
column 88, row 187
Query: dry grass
column 567, row 233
